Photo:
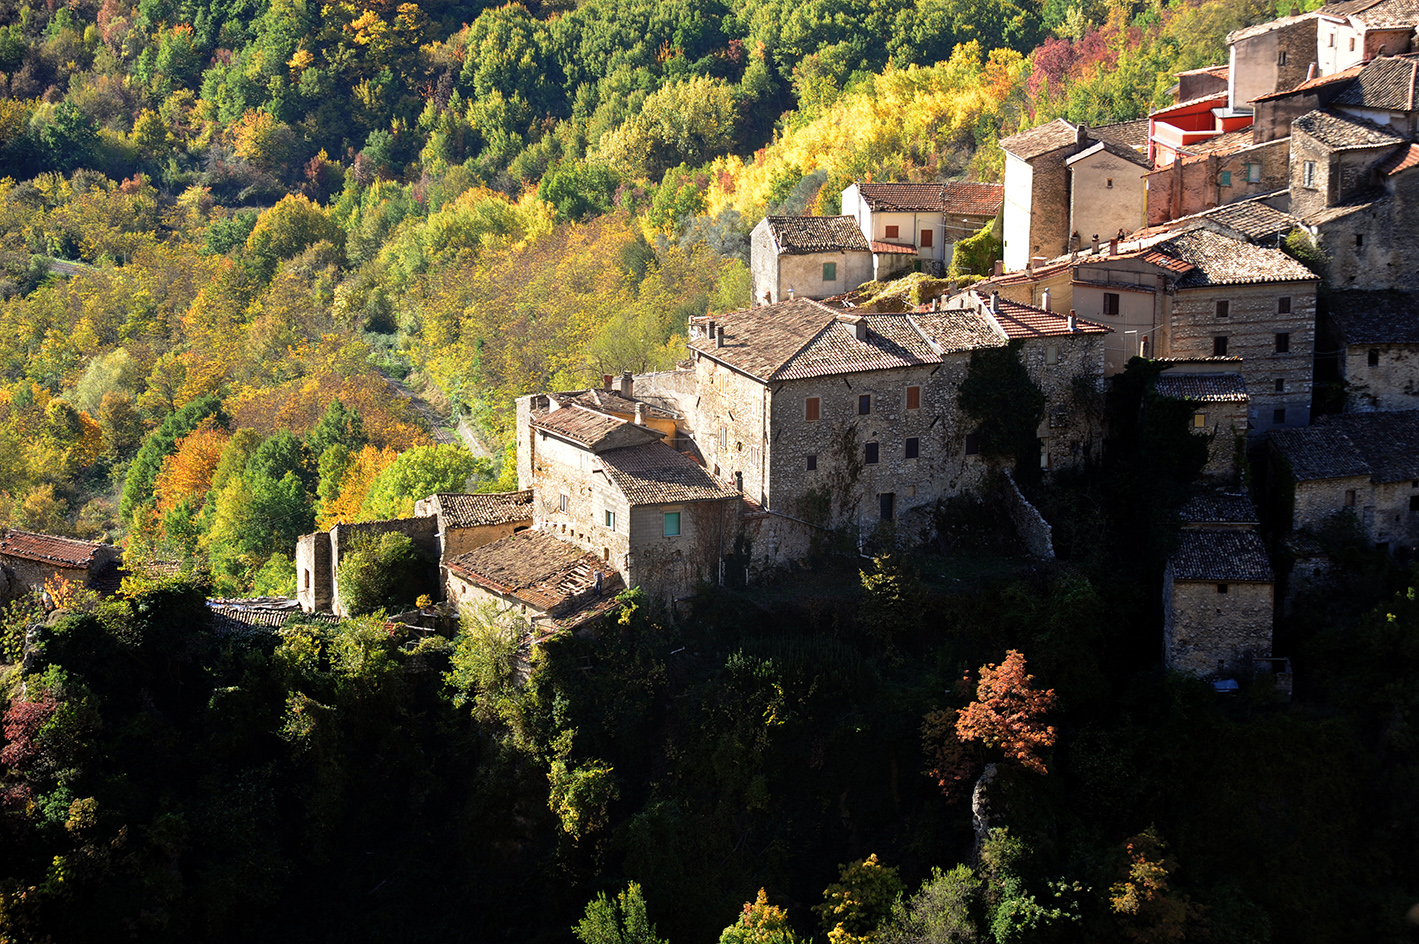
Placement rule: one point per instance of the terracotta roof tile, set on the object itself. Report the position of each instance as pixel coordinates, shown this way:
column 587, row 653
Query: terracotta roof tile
column 655, row 474
column 590, row 427
column 1218, row 96
column 1267, row 27
column 1340, row 131
column 803, row 235
column 1205, row 388
column 461, row 510
column 1214, row 507
column 1377, row 14
column 1384, row 446
column 1402, row 159
column 1253, row 219
column 612, row 402
column 956, row 330
column 1221, row 556
column 893, row 197
column 759, row 340
column 1026, row 321
column 972, row 198
column 1375, row 201
column 891, row 341
column 893, row 248
column 1388, row 83
column 235, row 615
column 1036, row 141
column 1319, row 81
column 543, row 571
column 49, row 549
column 1221, row 260
column 1375, row 317
column 1228, row 143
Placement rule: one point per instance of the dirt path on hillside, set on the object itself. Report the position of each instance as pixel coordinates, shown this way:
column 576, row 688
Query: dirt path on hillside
column 438, row 423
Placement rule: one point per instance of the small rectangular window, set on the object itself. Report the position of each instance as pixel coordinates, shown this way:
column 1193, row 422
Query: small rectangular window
column 1225, row 178
column 1374, row 357
column 1111, row 303
column 1219, row 346
column 892, row 232
column 887, row 505
column 830, row 272
column 1224, row 308
column 864, row 404
column 1221, row 588
column 1109, row 183
column 913, row 398
column 611, row 519
column 671, row 524
column 1280, row 385
column 869, row 454
column 1359, row 240
column 1199, row 420
column 1281, row 58
column 1283, row 342
column 1414, row 503
column 926, row 239
column 1283, row 305
column 1278, row 417
column 812, row 463
column 810, row 409
column 1349, row 498
column 972, row 444
column 562, row 503
column 1352, row 43
column 1332, row 39
column 1051, row 354
column 1253, row 173
column 1308, row 173
column 913, row 447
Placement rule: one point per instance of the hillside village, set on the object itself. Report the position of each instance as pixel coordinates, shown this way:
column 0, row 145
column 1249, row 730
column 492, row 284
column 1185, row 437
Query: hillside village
column 820, row 411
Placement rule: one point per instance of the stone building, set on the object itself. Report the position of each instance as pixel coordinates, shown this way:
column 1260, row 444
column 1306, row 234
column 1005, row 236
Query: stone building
column 1269, row 57
column 845, row 419
column 1361, row 464
column 1215, row 172
column 319, row 555
column 1194, row 294
column 1333, row 158
column 809, row 257
column 553, row 583
column 466, row 521
column 927, row 219
column 1218, row 591
column 1220, row 395
column 1376, row 336
column 1355, row 31
column 29, row 560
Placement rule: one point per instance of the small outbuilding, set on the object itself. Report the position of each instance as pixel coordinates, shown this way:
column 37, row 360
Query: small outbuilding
column 28, row 560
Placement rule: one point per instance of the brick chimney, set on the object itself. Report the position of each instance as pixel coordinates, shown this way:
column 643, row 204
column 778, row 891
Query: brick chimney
column 1113, row 246
column 605, row 381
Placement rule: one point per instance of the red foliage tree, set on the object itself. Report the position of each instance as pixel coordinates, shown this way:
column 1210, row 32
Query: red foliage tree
column 1008, row 713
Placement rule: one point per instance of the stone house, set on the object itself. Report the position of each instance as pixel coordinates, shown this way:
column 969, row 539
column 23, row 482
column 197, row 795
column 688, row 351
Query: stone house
column 1194, row 294
column 1273, row 113
column 1269, row 57
column 1355, row 31
column 1218, row 591
column 319, row 555
column 1217, row 171
column 466, row 521
column 808, row 256
column 29, row 560
column 1376, row 335
column 1220, row 395
column 553, row 583
column 926, row 218
column 837, row 418
column 1333, row 158
column 1363, row 464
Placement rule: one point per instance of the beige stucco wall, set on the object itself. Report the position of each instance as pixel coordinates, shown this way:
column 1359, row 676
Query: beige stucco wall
column 1141, row 307
column 1106, row 194
column 458, row 541
column 1256, row 66
column 1202, row 627
column 1392, row 384
column 1019, row 193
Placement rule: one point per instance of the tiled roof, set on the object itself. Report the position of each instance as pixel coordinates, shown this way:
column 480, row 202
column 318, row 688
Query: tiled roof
column 893, row 248
column 655, row 474
column 1374, row 201
column 1026, row 321
column 1205, row 388
column 543, row 571
column 1253, row 219
column 895, row 197
column 1384, row 446
column 1376, row 317
column 892, row 341
column 957, row 330
column 471, row 511
column 237, row 615
column 1129, row 134
column 1267, row 27
column 758, row 340
column 1402, row 159
column 1221, row 556
column 1221, row 260
column 1376, row 14
column 1214, row 507
column 1340, row 131
column 1228, row 143
column 972, row 198
column 802, row 235
column 589, row 427
column 1388, row 83
column 47, row 548
column 1220, row 72
column 1320, row 81
column 1117, row 150
column 1047, row 137
column 611, row 401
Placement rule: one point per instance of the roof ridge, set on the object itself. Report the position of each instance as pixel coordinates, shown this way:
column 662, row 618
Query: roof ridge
column 808, row 343
column 936, row 348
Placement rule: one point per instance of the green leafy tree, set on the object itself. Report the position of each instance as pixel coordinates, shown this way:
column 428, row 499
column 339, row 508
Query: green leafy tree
column 288, row 229
column 143, row 472
column 419, row 473
column 855, row 906
column 943, row 911
column 619, row 921
column 682, row 123
column 384, row 573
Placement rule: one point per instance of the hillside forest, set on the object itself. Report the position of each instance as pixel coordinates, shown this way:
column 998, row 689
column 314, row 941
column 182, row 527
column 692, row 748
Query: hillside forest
column 268, row 265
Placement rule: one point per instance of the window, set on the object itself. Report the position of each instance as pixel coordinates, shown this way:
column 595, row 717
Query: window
column 869, row 455
column 1332, row 40
column 1253, row 173
column 1283, row 342
column 1221, row 588
column 670, row 526
column 1280, row 385
column 830, row 272
column 1349, row 498
column 926, row 239
column 724, row 438
column 1224, row 309
column 1225, row 178
column 1374, row 358
column 1051, row 353
column 1199, row 420
column 1111, row 303
column 1281, row 58
column 972, row 444
column 810, row 409
column 892, row 232
column 307, row 579
column 1109, row 183
column 1413, row 503
column 562, row 503
column 1308, row 174
column 864, row 404
column 887, row 505
column 1219, row 346
column 1352, row 43
column 913, row 398
column 913, row 448
column 611, row 519
column 812, row 463
column 1283, row 305
column 1359, row 240
column 1278, row 417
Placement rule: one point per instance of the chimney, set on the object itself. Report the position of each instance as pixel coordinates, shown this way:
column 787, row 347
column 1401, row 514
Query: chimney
column 936, row 303
column 1295, row 10
column 1044, row 299
column 1081, row 135
column 790, row 293
column 709, row 330
column 1310, row 71
column 999, row 268
column 640, row 414
column 605, row 381
column 1096, row 242
column 995, row 303
column 627, row 384
column 1113, row 246
column 719, row 336
column 1072, row 322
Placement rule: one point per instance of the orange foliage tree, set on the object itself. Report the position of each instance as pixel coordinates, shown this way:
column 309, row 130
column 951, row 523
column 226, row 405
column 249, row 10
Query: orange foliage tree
column 364, row 468
column 188, row 471
column 1008, row 713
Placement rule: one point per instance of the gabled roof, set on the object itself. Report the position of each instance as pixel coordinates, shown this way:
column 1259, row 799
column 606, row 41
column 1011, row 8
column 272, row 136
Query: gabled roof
column 610, row 401
column 1117, row 150
column 462, row 510
column 1402, row 159
column 1221, row 556
column 1310, row 85
column 655, row 474
column 1204, row 388
column 1131, row 134
column 1341, row 132
column 1024, row 322
column 1270, row 26
column 1388, row 83
column 803, row 235
column 1384, row 446
column 890, row 249
column 955, row 330
column 1214, row 507
column 1220, row 260
column 591, row 428
column 237, row 615
column 1376, row 317
column 972, row 198
column 1253, row 219
column 891, row 341
column 1037, row 141
column 548, row 574
column 1375, row 14
column 48, row 548
column 1191, row 103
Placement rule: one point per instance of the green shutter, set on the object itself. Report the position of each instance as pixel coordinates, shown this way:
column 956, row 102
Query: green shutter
column 830, row 272
column 1226, row 176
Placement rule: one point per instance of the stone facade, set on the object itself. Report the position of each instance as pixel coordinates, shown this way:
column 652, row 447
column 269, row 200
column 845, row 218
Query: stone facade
column 1194, row 184
column 779, row 269
column 1211, row 633
column 1269, row 58
column 1220, row 396
column 29, row 560
column 318, row 556
column 1381, row 377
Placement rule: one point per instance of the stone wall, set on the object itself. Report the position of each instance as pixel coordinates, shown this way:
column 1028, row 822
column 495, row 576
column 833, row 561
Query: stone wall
column 1382, row 509
column 1049, row 218
column 456, row 541
column 1316, row 501
column 1033, row 530
column 1225, row 421
column 669, row 567
column 1392, row 384
column 315, row 577
column 763, row 265
column 1186, row 187
column 566, row 470
column 1208, row 633
column 1371, row 246
column 801, row 276
column 346, row 537
column 1256, row 61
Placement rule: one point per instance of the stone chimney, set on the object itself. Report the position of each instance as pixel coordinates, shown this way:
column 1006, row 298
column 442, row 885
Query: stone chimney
column 628, row 385
column 1072, row 321
column 709, row 330
column 640, row 414
column 1081, row 135
column 719, row 336
column 1044, row 299
column 999, row 268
